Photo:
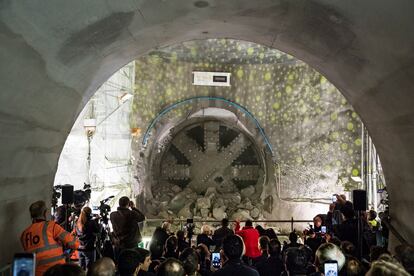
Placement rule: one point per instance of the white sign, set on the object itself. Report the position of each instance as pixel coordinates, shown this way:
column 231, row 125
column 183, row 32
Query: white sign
column 211, row 78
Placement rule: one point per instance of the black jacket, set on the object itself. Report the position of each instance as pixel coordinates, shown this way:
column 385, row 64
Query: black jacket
column 126, row 229
column 273, row 266
column 145, row 273
column 314, row 243
column 204, row 239
column 157, row 243
column 220, row 234
column 348, row 231
column 87, row 236
column 236, row 267
column 260, row 261
column 182, row 244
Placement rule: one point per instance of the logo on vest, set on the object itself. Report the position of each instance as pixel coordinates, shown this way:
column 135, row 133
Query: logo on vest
column 31, row 240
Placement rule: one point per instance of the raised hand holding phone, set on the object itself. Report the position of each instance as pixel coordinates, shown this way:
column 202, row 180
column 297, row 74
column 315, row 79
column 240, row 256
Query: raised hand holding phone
column 216, row 260
column 331, row 268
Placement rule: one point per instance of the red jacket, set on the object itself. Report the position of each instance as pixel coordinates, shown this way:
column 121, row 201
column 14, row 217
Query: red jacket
column 251, row 240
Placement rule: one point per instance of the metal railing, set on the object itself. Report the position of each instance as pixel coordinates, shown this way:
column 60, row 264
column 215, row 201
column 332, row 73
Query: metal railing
column 182, row 222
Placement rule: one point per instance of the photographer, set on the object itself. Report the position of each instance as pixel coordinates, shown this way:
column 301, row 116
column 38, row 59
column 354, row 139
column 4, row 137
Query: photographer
column 104, row 244
column 313, row 240
column 86, row 230
column 126, row 234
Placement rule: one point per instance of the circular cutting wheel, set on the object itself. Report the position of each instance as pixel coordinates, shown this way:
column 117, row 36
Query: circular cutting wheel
column 211, row 154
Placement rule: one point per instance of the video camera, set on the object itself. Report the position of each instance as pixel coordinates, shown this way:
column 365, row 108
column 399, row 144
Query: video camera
column 189, row 227
column 104, row 209
column 103, row 243
column 80, row 197
column 56, row 195
column 309, row 231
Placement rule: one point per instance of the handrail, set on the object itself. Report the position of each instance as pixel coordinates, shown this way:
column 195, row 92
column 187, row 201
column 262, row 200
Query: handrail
column 199, row 220
column 291, row 221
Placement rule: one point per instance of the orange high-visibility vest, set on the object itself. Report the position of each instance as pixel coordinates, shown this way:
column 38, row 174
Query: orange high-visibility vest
column 46, row 238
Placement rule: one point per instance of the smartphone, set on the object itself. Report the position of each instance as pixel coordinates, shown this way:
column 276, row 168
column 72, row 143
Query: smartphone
column 334, row 198
column 216, row 260
column 323, row 229
column 331, row 268
column 24, row 264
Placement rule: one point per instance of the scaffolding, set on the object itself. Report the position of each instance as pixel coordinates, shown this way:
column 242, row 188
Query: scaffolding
column 98, row 148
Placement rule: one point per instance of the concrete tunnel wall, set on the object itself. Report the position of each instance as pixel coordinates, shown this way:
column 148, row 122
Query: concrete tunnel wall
column 55, row 54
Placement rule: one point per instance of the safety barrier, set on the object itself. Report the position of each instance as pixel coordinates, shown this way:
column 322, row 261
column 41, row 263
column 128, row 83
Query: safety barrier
column 182, row 222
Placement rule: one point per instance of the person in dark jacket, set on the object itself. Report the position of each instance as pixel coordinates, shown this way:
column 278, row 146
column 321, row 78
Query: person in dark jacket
column 128, row 262
column 204, row 260
column 318, row 223
column 222, row 232
column 232, row 252
column 348, row 230
column 158, row 239
column 191, row 262
column 86, row 229
column 103, row 267
column 171, row 267
column 264, row 248
column 313, row 240
column 273, row 266
column 171, row 246
column 297, row 261
column 270, row 232
column 293, row 238
column 126, row 234
column 204, row 238
column 144, row 260
column 261, row 230
column 182, row 243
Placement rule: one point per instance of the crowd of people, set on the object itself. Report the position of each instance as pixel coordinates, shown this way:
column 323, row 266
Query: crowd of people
column 332, row 243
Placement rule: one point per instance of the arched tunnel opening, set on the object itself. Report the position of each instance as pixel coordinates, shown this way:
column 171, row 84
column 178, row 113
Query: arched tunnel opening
column 246, row 151
column 55, row 58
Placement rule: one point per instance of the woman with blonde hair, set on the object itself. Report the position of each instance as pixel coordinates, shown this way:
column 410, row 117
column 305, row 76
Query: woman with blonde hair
column 204, row 236
column 86, row 230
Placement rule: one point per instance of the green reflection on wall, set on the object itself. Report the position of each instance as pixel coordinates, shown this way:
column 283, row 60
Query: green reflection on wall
column 309, row 123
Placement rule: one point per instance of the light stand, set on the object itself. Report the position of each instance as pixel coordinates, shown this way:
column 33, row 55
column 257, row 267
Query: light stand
column 67, row 224
column 90, row 128
column 360, row 233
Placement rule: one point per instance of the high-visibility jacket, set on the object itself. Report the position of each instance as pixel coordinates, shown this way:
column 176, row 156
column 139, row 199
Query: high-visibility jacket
column 46, row 238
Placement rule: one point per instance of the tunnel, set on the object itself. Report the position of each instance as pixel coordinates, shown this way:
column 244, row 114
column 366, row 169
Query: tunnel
column 56, row 54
